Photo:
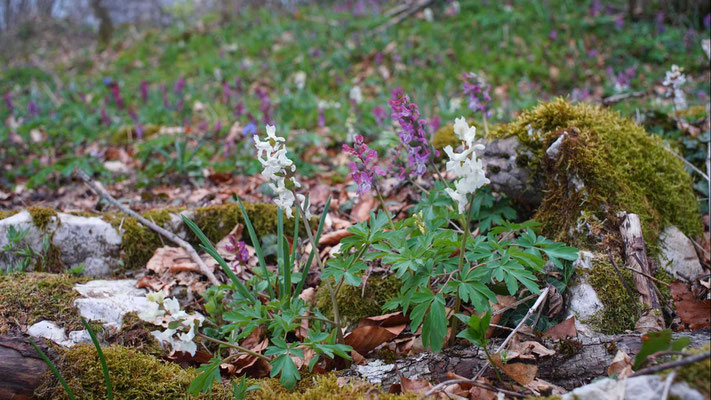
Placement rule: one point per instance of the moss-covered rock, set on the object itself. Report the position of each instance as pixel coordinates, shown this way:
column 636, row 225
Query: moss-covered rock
column 605, row 164
column 353, row 305
column 322, row 387
column 696, row 374
column 42, row 216
column 27, row 298
column 8, row 213
column 619, row 312
column 134, row 375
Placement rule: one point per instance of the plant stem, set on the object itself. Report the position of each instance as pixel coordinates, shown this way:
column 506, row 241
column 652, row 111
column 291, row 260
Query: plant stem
column 496, row 369
column 334, row 301
column 234, row 346
column 382, row 204
column 462, row 248
column 486, row 124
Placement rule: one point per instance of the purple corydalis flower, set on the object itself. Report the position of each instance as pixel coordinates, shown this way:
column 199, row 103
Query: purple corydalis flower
column 435, row 123
column 623, row 79
column 226, row 94
column 265, row 106
column 321, row 118
column 363, row 170
column 32, row 109
column 595, row 8
column 217, row 128
column 477, row 90
column 105, row 117
column 179, row 86
column 660, row 22
column 116, row 94
column 553, row 35
column 8, row 103
column 239, row 109
column 620, row 21
column 239, row 249
column 379, row 114
column 144, row 91
column 412, row 133
column 707, row 21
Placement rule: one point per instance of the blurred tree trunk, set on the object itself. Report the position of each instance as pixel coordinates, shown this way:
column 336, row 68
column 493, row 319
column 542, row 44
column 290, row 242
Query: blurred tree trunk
column 106, row 27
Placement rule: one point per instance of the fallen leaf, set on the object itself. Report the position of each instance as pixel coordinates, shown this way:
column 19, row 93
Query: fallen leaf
column 519, row 372
column 502, row 302
column 694, row 313
column 333, row 238
column 396, row 318
column 562, row 330
column 621, row 365
column 365, row 338
column 318, row 194
column 361, row 211
column 419, row 386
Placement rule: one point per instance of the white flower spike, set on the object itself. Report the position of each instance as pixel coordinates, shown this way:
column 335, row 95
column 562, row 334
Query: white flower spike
column 465, row 165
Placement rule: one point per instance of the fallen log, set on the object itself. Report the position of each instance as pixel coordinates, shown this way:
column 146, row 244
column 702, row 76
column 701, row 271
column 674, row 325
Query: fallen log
column 576, row 362
column 21, row 368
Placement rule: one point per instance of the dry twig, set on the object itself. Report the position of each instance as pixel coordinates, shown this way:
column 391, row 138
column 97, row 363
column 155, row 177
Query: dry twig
column 160, row 230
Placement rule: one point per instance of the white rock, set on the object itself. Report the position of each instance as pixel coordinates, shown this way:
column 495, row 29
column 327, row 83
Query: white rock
column 33, row 238
column 49, row 330
column 636, row 388
column 109, row 301
column 678, row 256
column 584, row 260
column 117, row 167
column 584, row 302
column 79, row 337
column 604, row 389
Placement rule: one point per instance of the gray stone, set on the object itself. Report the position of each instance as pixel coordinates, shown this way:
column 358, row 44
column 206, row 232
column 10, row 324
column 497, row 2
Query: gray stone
column 51, row 331
column 584, row 302
column 506, row 164
column 603, row 389
column 108, row 301
column 645, row 387
column 88, row 241
column 678, row 255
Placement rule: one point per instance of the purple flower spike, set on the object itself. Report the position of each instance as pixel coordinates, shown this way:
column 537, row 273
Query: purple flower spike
column 265, row 106
column 32, row 109
column 412, row 134
column 116, row 94
column 144, row 91
column 179, row 86
column 379, row 114
column 478, row 92
column 105, row 117
column 660, row 22
column 321, row 118
column 8, row 103
column 239, row 249
column 363, row 170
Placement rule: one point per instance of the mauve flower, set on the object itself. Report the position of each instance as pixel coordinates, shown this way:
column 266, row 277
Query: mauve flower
column 239, row 249
column 435, row 123
column 553, row 35
column 105, row 117
column 595, row 8
column 379, row 114
column 321, row 118
column 144, row 91
column 412, row 133
column 8, row 103
column 707, row 21
column 363, row 170
column 477, row 90
column 620, row 21
column 32, row 109
column 217, row 128
column 179, row 86
column 660, row 22
column 239, row 109
column 265, row 106
column 226, row 94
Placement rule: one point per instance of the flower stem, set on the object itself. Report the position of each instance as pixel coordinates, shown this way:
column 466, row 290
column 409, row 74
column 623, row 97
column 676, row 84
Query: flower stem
column 336, row 313
column 382, row 204
column 462, row 248
column 496, row 369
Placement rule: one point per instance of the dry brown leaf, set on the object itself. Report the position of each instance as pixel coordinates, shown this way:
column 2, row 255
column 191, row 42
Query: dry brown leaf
column 361, row 211
column 365, row 338
column 419, row 386
column 396, row 318
column 318, row 194
column 696, row 314
column 333, row 238
column 522, row 373
column 621, row 365
column 530, row 348
column 501, row 303
column 562, row 330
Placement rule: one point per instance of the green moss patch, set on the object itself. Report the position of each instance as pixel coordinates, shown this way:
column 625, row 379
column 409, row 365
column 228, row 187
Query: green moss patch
column 353, row 304
column 8, row 213
column 621, row 167
column 27, row 298
column 696, row 374
column 41, row 216
column 135, row 376
column 619, row 313
column 322, row 387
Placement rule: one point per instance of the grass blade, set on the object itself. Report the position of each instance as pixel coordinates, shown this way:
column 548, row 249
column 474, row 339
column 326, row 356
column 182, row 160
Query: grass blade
column 102, row 360
column 321, row 222
column 280, row 253
column 54, row 369
column 255, row 243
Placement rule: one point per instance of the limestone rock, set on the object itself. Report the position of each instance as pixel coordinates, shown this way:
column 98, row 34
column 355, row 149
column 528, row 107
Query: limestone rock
column 635, row 388
column 678, row 255
column 51, row 331
column 507, row 169
column 108, row 301
column 33, row 239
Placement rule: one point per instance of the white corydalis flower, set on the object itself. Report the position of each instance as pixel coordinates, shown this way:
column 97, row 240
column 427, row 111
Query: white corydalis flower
column 271, row 153
column 356, row 95
column 675, row 79
column 300, row 80
column 465, row 165
column 706, row 47
column 180, row 336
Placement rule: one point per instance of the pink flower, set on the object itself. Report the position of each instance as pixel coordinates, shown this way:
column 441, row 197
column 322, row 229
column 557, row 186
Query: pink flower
column 363, row 170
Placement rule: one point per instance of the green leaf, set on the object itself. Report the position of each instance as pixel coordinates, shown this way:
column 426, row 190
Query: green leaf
column 434, row 328
column 255, row 243
column 102, row 360
column 209, row 373
column 656, row 341
column 54, row 369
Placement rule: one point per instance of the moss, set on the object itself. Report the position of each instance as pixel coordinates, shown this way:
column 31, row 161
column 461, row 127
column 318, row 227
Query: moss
column 352, row 305
column 619, row 313
column 318, row 387
column 27, row 298
column 138, row 243
column 445, row 137
column 696, row 374
column 134, row 376
column 665, row 290
column 41, row 216
column 8, row 213
column 136, row 334
column 621, row 166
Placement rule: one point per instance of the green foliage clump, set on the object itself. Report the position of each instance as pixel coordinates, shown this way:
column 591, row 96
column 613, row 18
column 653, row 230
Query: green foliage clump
column 27, row 298
column 125, row 134
column 352, row 305
column 134, row 375
column 41, row 216
column 621, row 167
column 138, row 243
column 619, row 313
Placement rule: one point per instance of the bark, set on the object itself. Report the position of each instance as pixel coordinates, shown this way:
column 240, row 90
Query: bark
column 575, row 363
column 636, row 259
column 21, row 368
